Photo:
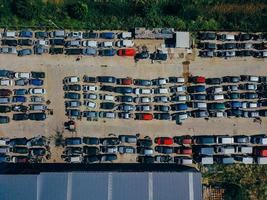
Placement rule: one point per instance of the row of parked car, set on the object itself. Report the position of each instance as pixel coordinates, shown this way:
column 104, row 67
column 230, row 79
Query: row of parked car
column 203, row 149
column 232, row 53
column 23, row 150
column 19, row 96
column 232, row 36
column 165, row 98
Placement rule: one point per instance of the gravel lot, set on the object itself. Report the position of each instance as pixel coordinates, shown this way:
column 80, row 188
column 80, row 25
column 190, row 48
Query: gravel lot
column 58, row 67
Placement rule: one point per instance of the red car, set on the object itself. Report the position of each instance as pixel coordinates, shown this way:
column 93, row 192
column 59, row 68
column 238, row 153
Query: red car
column 164, row 140
column 198, row 79
column 125, row 81
column 183, row 140
column 143, row 116
column 126, row 52
column 260, row 151
column 186, row 150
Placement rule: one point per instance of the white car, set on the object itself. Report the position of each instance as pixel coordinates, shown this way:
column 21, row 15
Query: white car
column 6, row 82
column 42, row 42
column 89, row 104
column 26, row 75
column 143, row 91
column 92, row 88
column 89, row 43
column 225, row 139
column 125, row 43
column 161, row 91
column 37, row 91
column 77, row 35
column 160, row 81
column 90, row 96
column 106, row 97
column 71, row 79
column 106, row 44
column 143, row 100
column 249, row 104
column 178, row 88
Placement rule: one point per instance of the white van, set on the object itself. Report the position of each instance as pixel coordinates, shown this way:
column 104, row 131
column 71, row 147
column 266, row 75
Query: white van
column 244, row 149
column 10, row 34
column 23, row 75
column 126, row 35
column 89, row 43
column 208, row 160
column 6, row 82
column 125, row 43
column 143, row 91
column 218, row 97
column 261, row 160
column 200, row 105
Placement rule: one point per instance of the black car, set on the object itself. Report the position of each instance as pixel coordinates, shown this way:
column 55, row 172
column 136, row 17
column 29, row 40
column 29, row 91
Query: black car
column 19, row 108
column 4, row 119
column 37, row 116
column 263, row 113
column 207, row 36
column 74, row 87
column 73, row 51
column 57, row 41
column 18, row 141
column 234, row 113
column 144, row 142
column 199, row 113
column 89, row 35
column 110, row 141
column 163, row 158
column 91, row 140
column 106, row 79
column 107, row 105
column 91, row 159
column 88, row 150
column 123, row 90
column 54, row 50
column 4, row 109
column 142, row 82
column 198, row 96
column 207, row 54
column 107, row 157
column 20, row 117
column 107, row 88
column 6, row 73
column 162, row 116
column 227, row 46
column 25, row 42
column 38, row 75
column 164, row 149
column 244, row 53
column 41, row 34
column 231, row 79
column 249, row 95
column 145, row 159
column 243, row 37
column 158, row 56
column 39, row 151
column 10, row 42
column 124, row 99
column 162, row 108
column 213, row 81
column 89, row 79
column 142, row 55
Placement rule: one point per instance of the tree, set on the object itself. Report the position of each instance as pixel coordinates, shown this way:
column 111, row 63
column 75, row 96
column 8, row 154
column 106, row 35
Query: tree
column 78, row 10
column 27, row 9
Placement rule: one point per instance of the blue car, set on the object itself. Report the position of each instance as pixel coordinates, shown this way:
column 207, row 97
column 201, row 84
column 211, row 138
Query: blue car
column 235, row 104
column 21, row 99
column 36, row 82
column 179, row 107
column 24, row 52
column 73, row 141
column 27, row 34
column 107, row 35
column 20, row 91
column 107, row 52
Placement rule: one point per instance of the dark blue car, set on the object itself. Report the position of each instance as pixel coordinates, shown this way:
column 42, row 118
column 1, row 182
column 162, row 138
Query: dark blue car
column 27, row 34
column 73, row 141
column 196, row 89
column 179, row 107
column 36, row 82
column 235, row 104
column 107, row 52
column 107, row 35
column 21, row 99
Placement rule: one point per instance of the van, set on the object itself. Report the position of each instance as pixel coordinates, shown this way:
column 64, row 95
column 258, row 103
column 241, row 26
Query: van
column 4, row 100
column 38, row 107
column 125, row 35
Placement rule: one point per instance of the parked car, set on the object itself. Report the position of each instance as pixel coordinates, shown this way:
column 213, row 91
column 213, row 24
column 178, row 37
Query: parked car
column 107, row 52
column 37, row 116
column 126, row 52
column 24, row 52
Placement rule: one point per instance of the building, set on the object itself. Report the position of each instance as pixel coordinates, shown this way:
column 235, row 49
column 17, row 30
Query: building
column 182, row 40
column 131, row 184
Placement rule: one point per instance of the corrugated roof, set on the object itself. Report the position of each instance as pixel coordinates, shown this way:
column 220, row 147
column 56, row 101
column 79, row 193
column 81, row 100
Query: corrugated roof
column 102, row 186
column 182, row 40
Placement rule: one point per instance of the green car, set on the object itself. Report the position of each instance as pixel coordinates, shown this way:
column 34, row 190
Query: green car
column 216, row 106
